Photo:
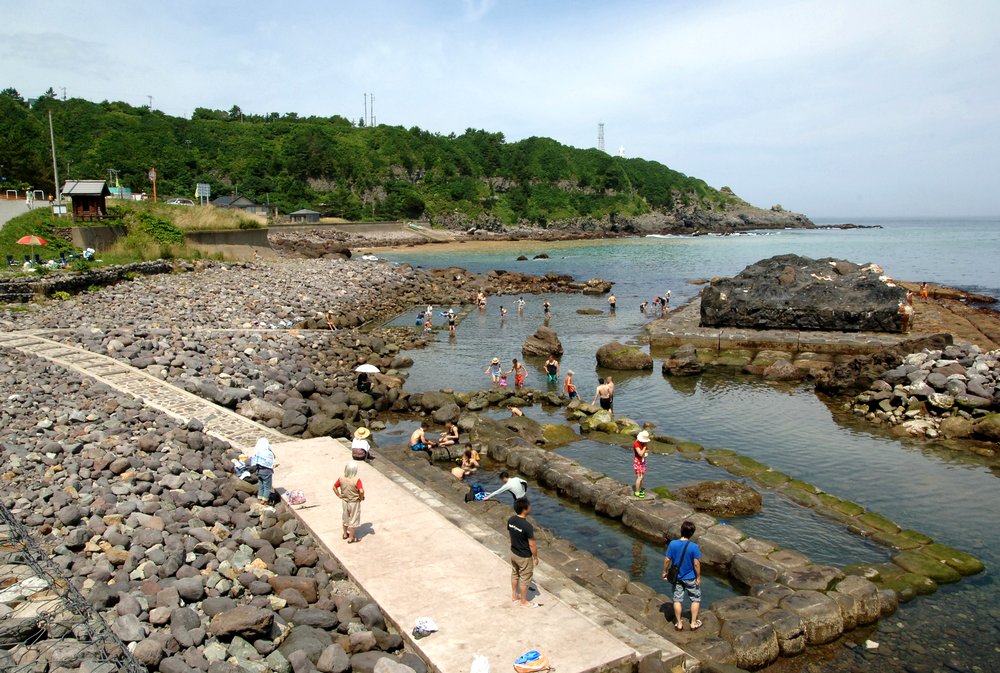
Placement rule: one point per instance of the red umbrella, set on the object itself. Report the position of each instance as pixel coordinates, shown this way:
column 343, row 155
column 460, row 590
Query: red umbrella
column 32, row 240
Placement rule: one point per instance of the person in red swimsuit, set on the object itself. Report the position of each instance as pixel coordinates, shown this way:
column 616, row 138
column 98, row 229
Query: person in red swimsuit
column 639, row 452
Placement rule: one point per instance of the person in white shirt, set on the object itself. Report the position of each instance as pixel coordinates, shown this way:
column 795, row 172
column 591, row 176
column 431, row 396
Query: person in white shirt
column 516, row 486
column 263, row 459
column 361, row 448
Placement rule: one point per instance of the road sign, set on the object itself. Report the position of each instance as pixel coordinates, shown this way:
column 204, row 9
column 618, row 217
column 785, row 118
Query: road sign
column 203, row 189
column 152, row 174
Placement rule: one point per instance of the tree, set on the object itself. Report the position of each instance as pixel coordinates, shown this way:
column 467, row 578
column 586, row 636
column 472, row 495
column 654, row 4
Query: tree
column 235, row 114
column 50, row 94
column 11, row 92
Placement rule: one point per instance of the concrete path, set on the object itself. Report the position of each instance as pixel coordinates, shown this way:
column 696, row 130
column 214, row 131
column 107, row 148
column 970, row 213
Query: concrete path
column 414, row 563
column 10, row 209
column 171, row 400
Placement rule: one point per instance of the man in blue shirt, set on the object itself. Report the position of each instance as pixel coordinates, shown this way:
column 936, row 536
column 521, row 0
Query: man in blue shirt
column 686, row 556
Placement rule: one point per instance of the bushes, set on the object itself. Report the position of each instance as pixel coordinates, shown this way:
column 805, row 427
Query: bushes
column 159, row 229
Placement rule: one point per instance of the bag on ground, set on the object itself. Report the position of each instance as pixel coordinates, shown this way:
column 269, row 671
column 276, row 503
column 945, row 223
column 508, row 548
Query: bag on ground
column 358, row 453
column 296, row 497
column 531, row 661
column 476, row 492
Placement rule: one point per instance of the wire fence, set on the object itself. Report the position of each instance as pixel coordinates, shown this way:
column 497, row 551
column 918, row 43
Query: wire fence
column 45, row 622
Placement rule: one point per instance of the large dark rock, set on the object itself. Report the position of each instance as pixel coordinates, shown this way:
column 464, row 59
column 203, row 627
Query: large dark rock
column 620, row 357
column 794, row 292
column 723, row 498
column 242, row 621
column 543, row 342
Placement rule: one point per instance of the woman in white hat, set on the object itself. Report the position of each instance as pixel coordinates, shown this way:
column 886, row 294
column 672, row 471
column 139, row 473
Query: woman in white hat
column 361, row 449
column 639, row 452
column 494, row 370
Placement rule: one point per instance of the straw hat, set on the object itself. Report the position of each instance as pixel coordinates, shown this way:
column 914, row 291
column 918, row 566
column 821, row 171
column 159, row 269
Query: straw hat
column 643, row 437
column 495, row 361
column 362, row 433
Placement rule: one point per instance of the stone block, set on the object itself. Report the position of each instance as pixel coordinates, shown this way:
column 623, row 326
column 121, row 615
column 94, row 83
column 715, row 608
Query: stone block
column 752, row 569
column 815, row 577
column 753, row 640
column 820, row 615
column 789, row 629
column 865, row 595
column 717, row 550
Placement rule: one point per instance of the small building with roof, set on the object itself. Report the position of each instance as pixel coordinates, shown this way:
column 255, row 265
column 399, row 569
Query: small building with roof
column 239, row 202
column 89, row 198
column 304, row 215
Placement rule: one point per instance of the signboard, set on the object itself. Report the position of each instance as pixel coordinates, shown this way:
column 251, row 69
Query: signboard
column 203, row 189
column 152, row 174
column 58, row 209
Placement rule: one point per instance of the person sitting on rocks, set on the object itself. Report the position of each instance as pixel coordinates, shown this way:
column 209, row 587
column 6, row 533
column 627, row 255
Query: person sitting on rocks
column 450, row 436
column 516, row 486
column 364, row 383
column 263, row 460
column 515, row 412
column 470, row 461
column 361, row 448
column 419, row 441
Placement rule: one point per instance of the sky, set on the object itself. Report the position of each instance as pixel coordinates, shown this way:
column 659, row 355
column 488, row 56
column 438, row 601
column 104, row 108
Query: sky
column 835, row 109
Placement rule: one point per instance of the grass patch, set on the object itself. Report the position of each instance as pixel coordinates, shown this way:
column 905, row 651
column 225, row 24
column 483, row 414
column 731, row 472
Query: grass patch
column 39, row 222
column 192, row 218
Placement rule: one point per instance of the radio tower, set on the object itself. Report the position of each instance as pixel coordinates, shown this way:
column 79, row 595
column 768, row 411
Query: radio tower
column 600, row 136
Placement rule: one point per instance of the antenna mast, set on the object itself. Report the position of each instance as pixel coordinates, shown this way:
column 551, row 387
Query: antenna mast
column 600, row 136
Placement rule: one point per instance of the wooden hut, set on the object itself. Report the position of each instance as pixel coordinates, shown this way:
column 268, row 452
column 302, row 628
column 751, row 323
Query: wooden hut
column 89, row 198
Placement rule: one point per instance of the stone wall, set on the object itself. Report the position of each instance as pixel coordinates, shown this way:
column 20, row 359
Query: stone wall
column 22, row 289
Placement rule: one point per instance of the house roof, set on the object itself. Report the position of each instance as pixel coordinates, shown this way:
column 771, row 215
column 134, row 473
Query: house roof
column 86, row 188
column 304, row 211
column 232, row 201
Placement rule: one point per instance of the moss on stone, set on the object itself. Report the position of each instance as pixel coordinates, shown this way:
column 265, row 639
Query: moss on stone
column 878, row 522
column 916, row 536
column 895, row 540
column 745, row 466
column 841, row 506
column 689, row 447
column 559, row 435
column 720, row 457
column 801, row 497
column 771, row 478
column 928, row 566
column 803, row 486
column 733, row 358
column 910, row 585
column 868, row 571
column 663, row 492
column 964, row 563
column 662, row 448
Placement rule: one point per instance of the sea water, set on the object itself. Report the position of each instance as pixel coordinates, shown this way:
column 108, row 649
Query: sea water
column 951, row 496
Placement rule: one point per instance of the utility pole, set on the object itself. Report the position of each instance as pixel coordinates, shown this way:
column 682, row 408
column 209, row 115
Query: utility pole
column 64, row 92
column 150, row 101
column 365, row 118
column 55, row 166
column 373, row 110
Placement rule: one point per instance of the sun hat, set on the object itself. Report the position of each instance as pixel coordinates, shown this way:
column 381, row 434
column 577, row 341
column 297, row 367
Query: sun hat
column 362, row 433
column 643, row 437
column 495, row 361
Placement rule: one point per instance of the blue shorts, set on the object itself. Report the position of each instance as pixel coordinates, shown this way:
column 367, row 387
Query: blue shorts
column 419, row 446
column 689, row 587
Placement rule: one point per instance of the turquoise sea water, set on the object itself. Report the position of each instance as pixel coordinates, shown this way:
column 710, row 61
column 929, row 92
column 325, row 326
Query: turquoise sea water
column 950, row 496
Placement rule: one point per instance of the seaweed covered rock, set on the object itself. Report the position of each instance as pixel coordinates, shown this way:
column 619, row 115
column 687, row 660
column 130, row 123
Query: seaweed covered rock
column 618, row 356
column 795, row 292
column 725, row 498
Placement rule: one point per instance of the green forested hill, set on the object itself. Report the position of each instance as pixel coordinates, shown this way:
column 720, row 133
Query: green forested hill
column 337, row 167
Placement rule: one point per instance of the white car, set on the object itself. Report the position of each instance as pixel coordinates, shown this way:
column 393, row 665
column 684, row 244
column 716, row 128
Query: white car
column 180, row 202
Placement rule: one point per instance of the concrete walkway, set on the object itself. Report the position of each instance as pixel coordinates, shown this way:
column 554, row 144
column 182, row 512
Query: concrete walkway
column 226, row 425
column 414, row 563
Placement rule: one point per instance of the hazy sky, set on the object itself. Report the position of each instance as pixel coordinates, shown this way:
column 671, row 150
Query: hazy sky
column 832, row 108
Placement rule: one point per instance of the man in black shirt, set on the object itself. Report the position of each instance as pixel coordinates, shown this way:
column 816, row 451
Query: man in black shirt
column 523, row 552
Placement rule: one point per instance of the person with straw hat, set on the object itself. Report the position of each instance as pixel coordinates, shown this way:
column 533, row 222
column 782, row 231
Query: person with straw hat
column 494, row 370
column 639, row 452
column 361, row 448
